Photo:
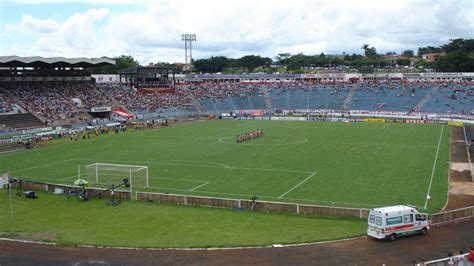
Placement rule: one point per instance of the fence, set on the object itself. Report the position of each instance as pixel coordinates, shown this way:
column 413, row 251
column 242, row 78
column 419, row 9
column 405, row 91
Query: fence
column 445, row 261
column 267, row 206
column 30, row 185
column 449, row 216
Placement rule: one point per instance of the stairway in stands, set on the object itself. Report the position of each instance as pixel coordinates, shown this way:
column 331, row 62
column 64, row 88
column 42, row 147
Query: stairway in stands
column 20, row 121
column 266, row 97
column 427, row 97
column 349, row 97
column 196, row 103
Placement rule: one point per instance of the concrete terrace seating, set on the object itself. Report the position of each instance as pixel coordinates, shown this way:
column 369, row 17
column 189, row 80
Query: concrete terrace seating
column 217, row 97
column 451, row 99
column 307, row 96
column 142, row 103
column 391, row 97
column 46, row 101
column 19, row 121
column 7, row 103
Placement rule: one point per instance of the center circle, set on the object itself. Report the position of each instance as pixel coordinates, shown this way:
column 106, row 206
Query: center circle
column 284, row 139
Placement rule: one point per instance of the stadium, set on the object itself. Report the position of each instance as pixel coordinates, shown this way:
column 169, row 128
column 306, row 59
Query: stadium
column 321, row 159
column 333, row 145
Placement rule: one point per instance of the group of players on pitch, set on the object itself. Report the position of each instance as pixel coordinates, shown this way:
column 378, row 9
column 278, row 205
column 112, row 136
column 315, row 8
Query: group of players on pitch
column 249, row 135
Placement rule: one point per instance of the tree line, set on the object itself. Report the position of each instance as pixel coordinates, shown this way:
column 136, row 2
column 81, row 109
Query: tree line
column 455, row 56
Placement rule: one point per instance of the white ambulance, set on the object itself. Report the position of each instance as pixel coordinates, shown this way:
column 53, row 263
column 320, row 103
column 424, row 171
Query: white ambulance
column 395, row 221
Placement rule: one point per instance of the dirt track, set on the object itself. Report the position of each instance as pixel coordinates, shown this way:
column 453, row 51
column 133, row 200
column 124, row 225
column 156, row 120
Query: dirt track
column 403, row 251
column 461, row 188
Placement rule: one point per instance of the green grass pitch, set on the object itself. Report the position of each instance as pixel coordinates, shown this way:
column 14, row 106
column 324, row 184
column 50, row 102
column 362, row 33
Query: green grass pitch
column 341, row 164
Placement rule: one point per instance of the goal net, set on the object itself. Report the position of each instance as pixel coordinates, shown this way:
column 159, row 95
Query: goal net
column 101, row 174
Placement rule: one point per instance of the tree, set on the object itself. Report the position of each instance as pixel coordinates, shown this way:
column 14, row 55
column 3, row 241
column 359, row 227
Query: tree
column 251, row 62
column 365, row 47
column 458, row 56
column 458, row 44
column 423, row 64
column 403, row 62
column 369, row 52
column 428, row 49
column 121, row 62
column 213, row 64
column 282, row 58
column 456, row 61
column 408, row 53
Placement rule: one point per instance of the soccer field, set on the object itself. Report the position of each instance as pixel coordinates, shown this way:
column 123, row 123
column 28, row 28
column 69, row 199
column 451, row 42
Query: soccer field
column 341, row 164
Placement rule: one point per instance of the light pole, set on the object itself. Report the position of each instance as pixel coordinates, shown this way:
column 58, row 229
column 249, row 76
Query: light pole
column 188, row 50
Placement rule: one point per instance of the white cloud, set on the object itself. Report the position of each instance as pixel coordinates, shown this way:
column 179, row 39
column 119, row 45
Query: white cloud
column 152, row 30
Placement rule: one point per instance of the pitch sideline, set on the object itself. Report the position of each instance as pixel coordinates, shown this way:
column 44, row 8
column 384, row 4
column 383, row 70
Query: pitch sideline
column 434, row 167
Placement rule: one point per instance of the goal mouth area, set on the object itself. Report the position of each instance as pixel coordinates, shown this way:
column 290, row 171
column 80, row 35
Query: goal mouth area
column 124, row 168
column 108, row 174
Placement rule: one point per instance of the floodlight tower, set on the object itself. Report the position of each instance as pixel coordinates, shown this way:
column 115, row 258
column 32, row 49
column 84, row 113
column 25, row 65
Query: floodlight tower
column 188, row 50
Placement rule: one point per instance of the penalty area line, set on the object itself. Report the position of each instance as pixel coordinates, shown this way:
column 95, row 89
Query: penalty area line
column 385, row 126
column 297, row 185
column 205, row 183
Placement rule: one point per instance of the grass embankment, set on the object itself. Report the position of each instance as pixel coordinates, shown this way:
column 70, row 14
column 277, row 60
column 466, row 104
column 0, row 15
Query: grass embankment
column 54, row 218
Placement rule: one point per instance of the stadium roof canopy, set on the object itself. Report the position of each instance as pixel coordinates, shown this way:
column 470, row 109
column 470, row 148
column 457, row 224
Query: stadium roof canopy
column 38, row 61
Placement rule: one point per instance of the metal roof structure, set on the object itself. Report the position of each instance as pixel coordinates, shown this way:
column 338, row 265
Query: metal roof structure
column 38, row 61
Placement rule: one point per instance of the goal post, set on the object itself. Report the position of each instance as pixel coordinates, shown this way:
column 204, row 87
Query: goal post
column 108, row 174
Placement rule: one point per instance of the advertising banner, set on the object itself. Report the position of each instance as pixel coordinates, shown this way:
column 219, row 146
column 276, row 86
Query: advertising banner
column 374, row 120
column 456, row 124
column 100, row 109
column 414, row 121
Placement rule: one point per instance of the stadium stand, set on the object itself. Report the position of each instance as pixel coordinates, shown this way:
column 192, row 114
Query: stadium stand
column 46, row 102
column 389, row 97
column 225, row 97
column 147, row 102
column 60, row 91
column 19, row 121
column 451, row 98
column 300, row 96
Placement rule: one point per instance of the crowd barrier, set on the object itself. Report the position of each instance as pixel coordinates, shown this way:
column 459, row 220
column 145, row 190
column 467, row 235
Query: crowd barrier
column 453, row 215
column 446, row 261
column 266, row 206
column 31, row 185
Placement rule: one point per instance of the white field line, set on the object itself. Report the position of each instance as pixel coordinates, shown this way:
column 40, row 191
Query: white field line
column 42, row 165
column 150, row 177
column 177, row 179
column 385, row 126
column 71, row 177
column 434, row 167
column 10, row 151
column 267, row 197
column 467, row 150
column 199, row 186
column 193, row 161
column 297, row 185
column 213, row 166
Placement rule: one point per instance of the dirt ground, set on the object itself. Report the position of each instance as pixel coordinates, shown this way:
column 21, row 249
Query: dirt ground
column 461, row 187
column 11, row 148
column 440, row 241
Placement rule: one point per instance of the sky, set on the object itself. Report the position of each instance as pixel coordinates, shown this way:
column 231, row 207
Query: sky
column 151, row 31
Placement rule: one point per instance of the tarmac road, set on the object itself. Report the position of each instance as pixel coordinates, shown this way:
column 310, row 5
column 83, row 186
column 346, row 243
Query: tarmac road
column 440, row 241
